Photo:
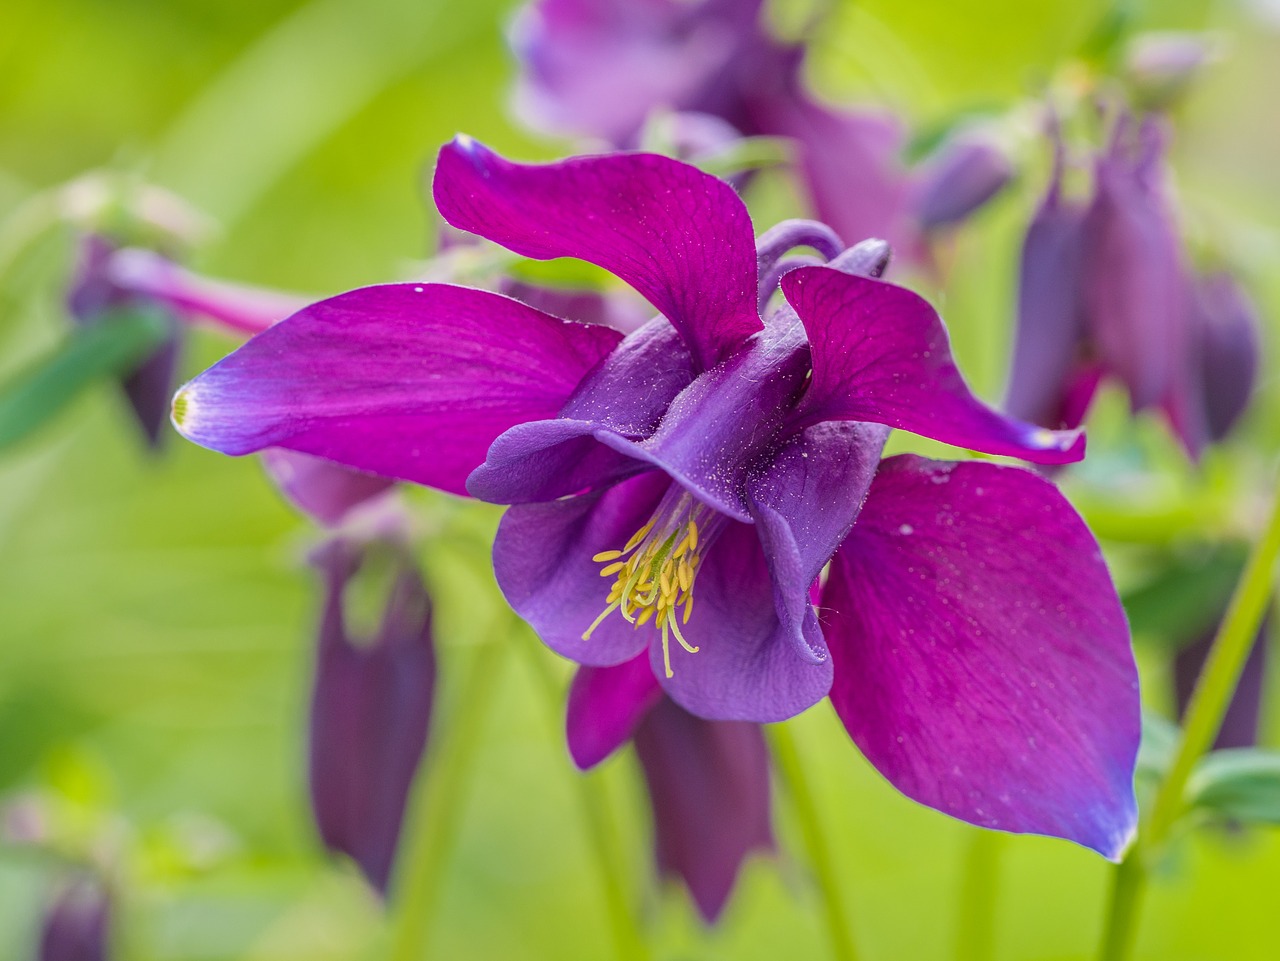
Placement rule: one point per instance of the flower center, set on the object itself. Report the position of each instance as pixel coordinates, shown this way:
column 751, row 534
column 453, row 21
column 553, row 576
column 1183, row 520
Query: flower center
column 655, row 572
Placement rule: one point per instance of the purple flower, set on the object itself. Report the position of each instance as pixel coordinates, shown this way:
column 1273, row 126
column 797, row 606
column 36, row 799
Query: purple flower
column 77, row 926
column 1105, row 292
column 599, row 67
column 708, row 465
column 708, row 781
column 370, row 710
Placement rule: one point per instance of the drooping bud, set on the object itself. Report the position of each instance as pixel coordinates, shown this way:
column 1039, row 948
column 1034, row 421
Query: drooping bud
column 1225, row 331
column 959, row 178
column 1133, row 283
column 92, row 295
column 370, row 711
column 709, row 786
column 1161, row 66
column 1049, row 333
column 77, row 925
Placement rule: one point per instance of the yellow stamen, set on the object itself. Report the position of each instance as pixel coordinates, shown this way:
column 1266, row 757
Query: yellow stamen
column 655, row 572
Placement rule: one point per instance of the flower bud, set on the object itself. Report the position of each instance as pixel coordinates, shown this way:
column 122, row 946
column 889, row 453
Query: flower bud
column 1225, row 328
column 709, row 786
column 77, row 924
column 93, row 294
column 370, row 710
column 963, row 174
column 1161, row 66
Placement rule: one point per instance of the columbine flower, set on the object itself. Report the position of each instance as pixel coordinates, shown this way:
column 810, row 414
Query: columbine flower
column 600, row 67
column 1105, row 292
column 370, row 710
column 708, row 466
column 708, row 780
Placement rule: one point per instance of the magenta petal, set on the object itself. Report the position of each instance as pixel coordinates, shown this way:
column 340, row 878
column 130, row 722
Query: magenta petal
column 542, row 560
column 747, row 667
column 606, row 704
column 627, row 394
column 881, row 354
column 709, row 785
column 319, row 488
column 982, row 656
column 406, row 381
column 681, row 238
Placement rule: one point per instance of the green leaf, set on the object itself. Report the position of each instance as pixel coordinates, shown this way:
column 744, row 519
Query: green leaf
column 1186, row 598
column 1241, row 784
column 108, row 347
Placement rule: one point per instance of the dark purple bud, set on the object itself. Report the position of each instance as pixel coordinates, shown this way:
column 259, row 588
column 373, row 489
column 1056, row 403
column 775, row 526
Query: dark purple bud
column 1133, row 283
column 370, row 711
column 962, row 176
column 709, row 785
column 94, row 293
column 319, row 488
column 1225, row 328
column 1240, row 724
column 1049, row 338
column 1161, row 66
column 77, row 926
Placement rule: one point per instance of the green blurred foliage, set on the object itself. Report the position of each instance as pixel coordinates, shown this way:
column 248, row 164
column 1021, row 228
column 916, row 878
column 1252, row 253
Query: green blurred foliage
column 155, row 614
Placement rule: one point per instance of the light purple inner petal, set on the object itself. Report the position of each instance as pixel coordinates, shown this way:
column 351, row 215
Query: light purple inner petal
column 542, row 558
column 746, row 668
column 680, row 237
column 627, row 394
column 606, row 704
column 804, row 504
column 714, row 430
column 880, row 354
column 406, row 381
column 982, row 656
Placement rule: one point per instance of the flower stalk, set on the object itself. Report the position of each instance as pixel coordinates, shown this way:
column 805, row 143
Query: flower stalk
column 975, row 926
column 791, row 770
column 436, row 805
column 628, row 939
column 1204, row 716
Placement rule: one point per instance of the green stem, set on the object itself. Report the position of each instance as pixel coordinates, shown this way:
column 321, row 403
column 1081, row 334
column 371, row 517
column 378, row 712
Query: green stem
column 1127, row 885
column 792, row 771
column 1217, row 682
column 436, row 805
column 1209, row 703
column 629, row 941
column 975, row 927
